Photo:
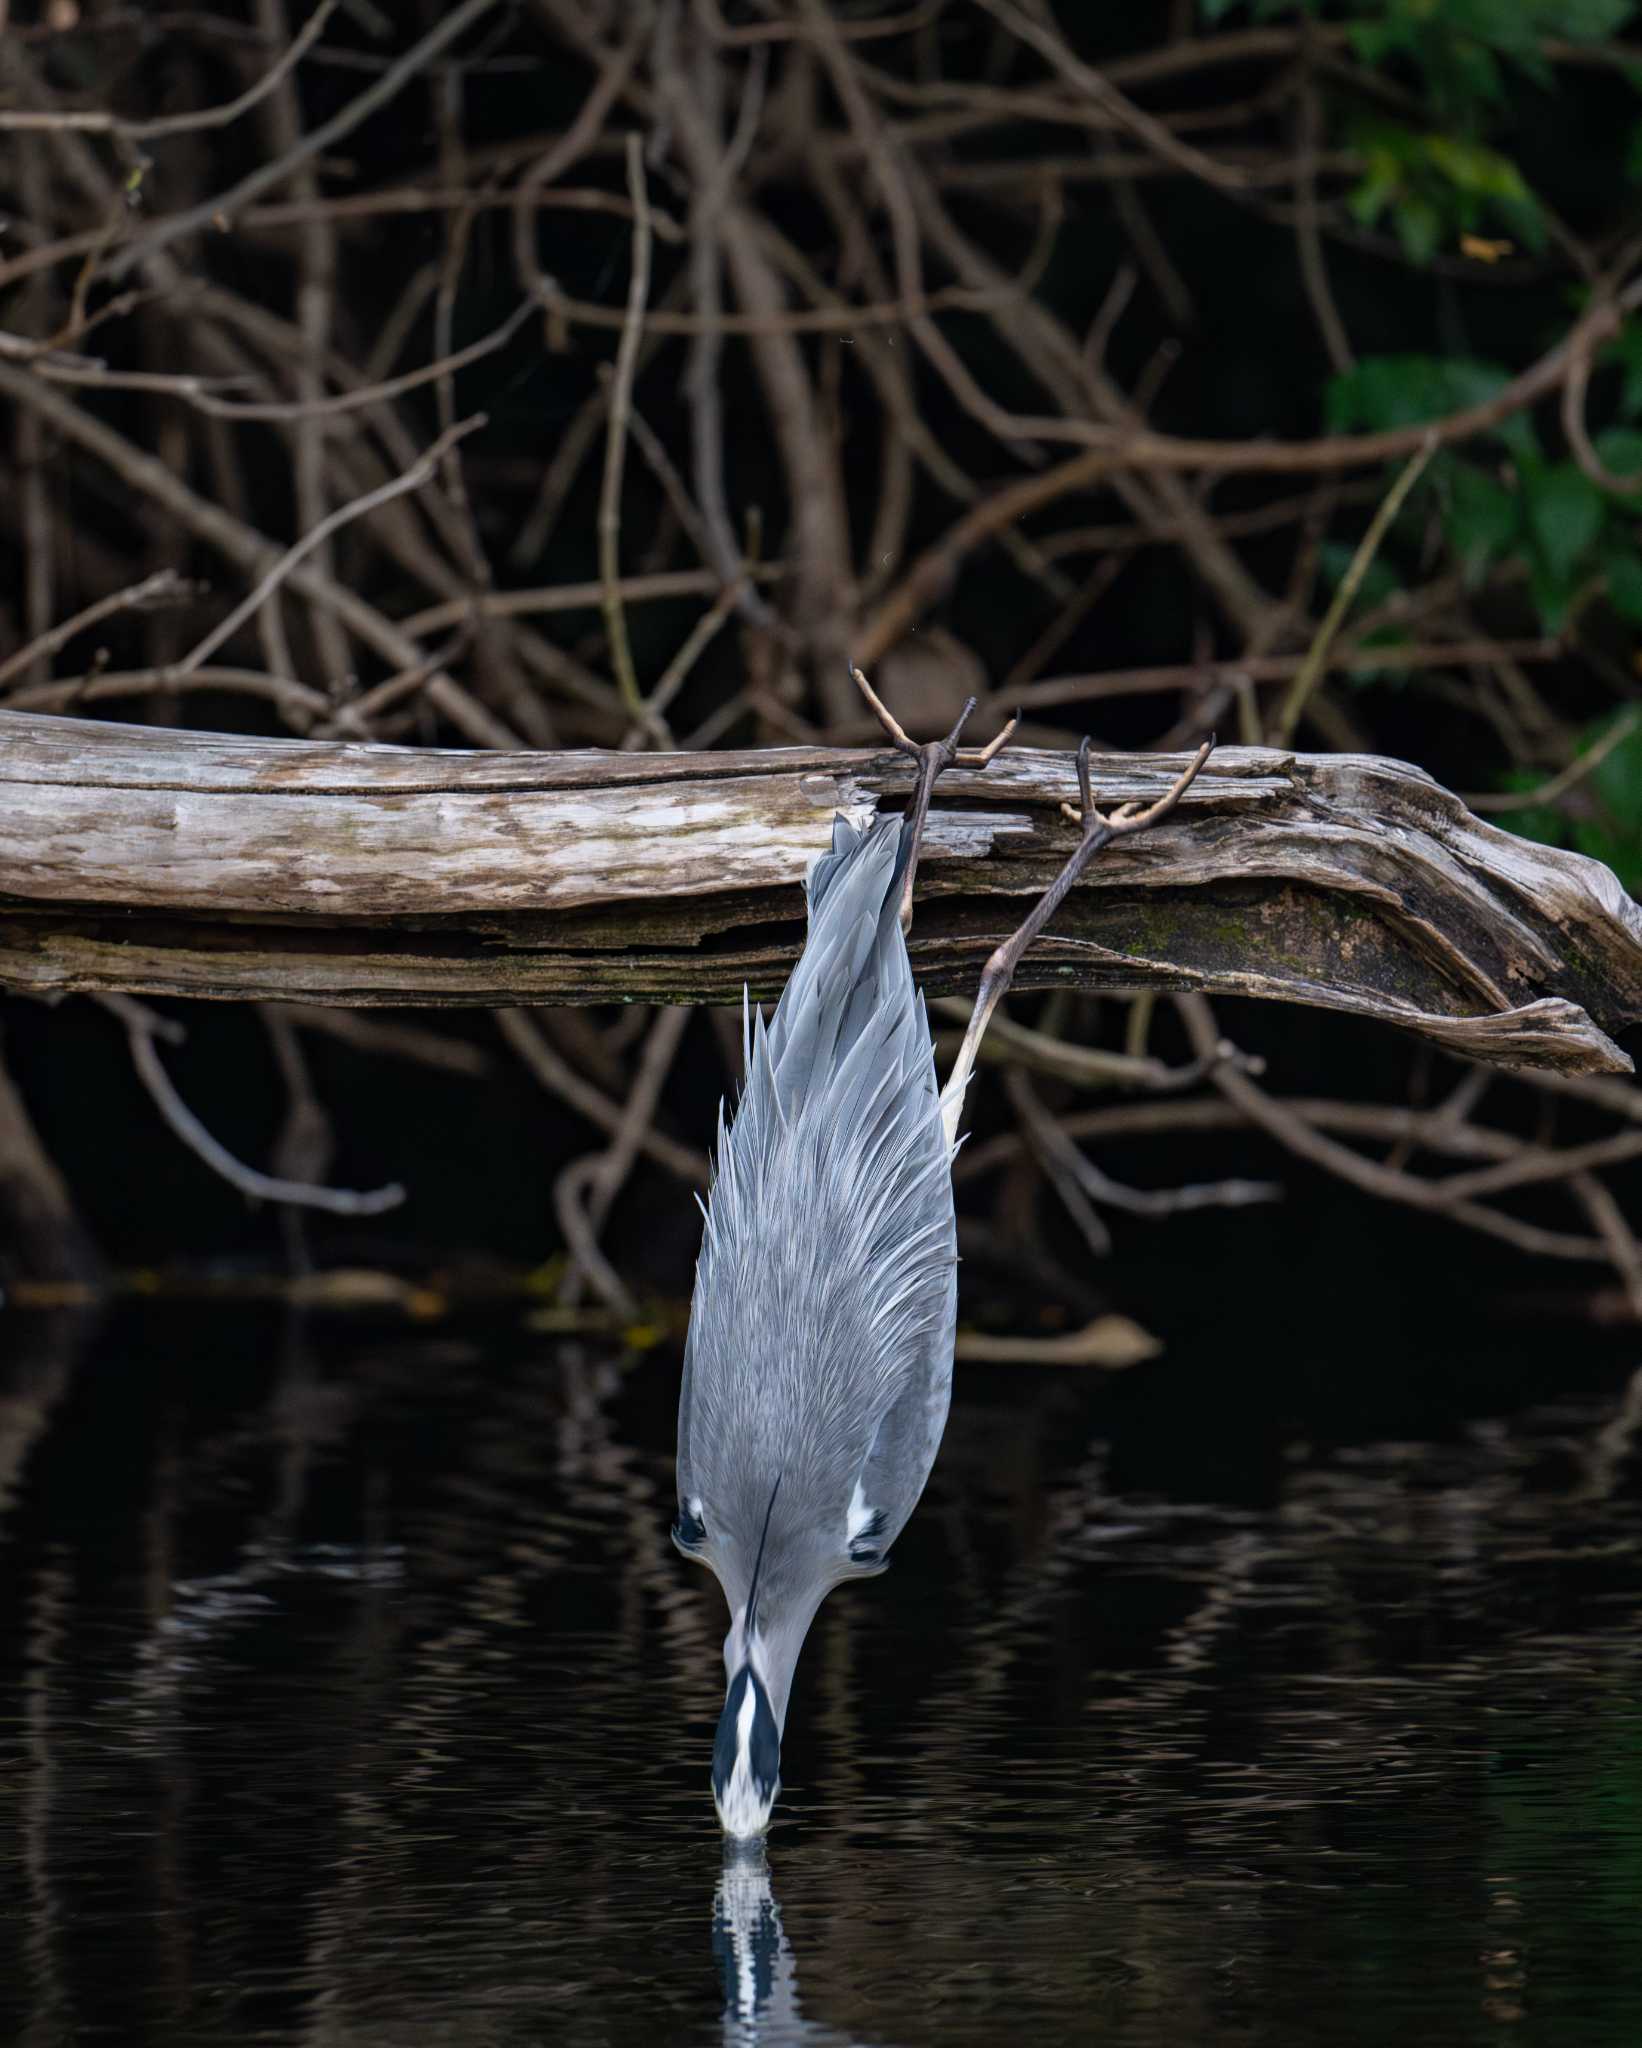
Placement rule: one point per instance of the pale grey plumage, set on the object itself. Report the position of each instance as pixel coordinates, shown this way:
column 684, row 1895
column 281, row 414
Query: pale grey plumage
column 819, row 1361
column 818, row 1365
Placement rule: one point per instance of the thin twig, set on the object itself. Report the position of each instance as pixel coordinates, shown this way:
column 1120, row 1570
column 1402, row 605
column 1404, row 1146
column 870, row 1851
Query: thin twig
column 1569, row 778
column 605, row 1174
column 214, row 212
column 1308, row 238
column 142, row 1028
column 1053, row 1154
column 1111, row 1342
column 96, row 122
column 1296, row 1135
column 165, row 586
column 701, row 376
column 677, row 672
column 411, row 480
column 1288, row 713
column 1088, row 1066
column 315, row 309
column 242, row 544
column 615, row 444
column 587, row 1261
column 364, row 394
column 296, row 702
column 1534, row 1164
column 1113, row 453
column 1578, row 434
column 583, row 597
column 397, row 1041
column 559, row 1078
column 1071, row 1170
column 1615, row 1231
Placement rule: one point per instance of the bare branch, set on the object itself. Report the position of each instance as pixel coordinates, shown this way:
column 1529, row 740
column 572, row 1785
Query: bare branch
column 1289, row 712
column 142, row 1028
column 615, row 445
column 559, row 1078
column 222, row 208
column 98, row 123
column 315, row 538
column 165, row 586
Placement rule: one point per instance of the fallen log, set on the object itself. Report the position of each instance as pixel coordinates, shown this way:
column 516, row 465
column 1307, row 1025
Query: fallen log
column 162, row 862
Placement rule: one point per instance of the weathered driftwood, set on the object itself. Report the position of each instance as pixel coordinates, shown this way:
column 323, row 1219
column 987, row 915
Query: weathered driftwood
column 184, row 863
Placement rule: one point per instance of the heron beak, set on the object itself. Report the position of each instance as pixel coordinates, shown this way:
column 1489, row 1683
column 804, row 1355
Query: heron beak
column 746, row 1758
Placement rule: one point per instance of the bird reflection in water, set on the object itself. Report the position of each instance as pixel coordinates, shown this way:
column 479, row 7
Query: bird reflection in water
column 755, row 1960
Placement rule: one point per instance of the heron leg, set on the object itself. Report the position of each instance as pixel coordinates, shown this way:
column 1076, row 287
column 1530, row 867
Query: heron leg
column 933, row 758
column 1098, row 830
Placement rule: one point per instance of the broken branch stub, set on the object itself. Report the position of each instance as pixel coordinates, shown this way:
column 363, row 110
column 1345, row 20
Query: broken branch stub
column 157, row 861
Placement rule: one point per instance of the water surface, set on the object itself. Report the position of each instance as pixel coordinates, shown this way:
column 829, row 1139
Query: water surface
column 350, row 1692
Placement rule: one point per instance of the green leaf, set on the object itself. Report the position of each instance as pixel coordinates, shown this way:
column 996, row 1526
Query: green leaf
column 1620, row 452
column 1478, row 77
column 1374, row 41
column 1475, row 169
column 1419, row 229
column 1601, row 816
column 1626, row 349
column 1552, row 594
column 1616, row 849
column 1565, row 514
column 1617, row 779
column 1457, row 45
column 1403, row 391
column 1586, row 21
column 1525, row 218
column 1625, row 587
column 1543, row 823
column 1379, row 186
column 1481, row 517
column 1520, row 437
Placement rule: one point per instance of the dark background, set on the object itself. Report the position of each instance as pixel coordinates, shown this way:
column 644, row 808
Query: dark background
column 1220, row 337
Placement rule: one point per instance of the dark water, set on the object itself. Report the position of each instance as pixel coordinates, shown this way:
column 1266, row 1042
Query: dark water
column 352, row 1694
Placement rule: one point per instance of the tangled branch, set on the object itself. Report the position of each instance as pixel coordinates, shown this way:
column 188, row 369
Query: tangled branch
column 787, row 337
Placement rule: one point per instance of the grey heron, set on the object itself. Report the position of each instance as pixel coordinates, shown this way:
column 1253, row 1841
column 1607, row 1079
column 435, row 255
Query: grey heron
column 818, row 1363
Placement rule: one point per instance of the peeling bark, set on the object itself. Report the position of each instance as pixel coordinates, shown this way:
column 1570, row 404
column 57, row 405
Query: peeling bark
column 165, row 862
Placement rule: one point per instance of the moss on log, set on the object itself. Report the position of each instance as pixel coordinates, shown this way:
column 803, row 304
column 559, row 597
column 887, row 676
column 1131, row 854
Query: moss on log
column 160, row 861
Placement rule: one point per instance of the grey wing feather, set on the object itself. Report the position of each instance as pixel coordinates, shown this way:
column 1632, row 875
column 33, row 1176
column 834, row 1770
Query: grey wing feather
column 820, row 1343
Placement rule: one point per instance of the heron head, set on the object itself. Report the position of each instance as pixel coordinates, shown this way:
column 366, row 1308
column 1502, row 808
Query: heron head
column 746, row 1756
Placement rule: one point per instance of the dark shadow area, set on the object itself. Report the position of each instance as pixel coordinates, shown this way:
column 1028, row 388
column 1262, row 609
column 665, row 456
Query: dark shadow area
column 356, row 1693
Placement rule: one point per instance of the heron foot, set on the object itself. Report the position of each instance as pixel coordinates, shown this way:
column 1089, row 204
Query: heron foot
column 933, row 758
column 1099, row 829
